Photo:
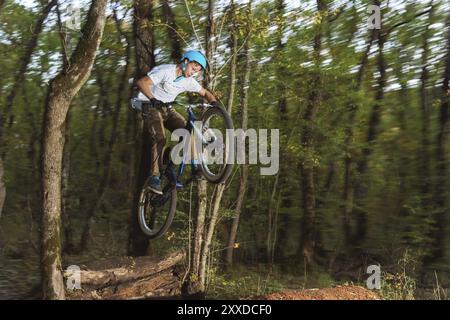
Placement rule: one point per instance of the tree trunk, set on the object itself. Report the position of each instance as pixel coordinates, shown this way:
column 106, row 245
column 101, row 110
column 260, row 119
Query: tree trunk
column 194, row 280
column 172, row 30
column 143, row 35
column 279, row 54
column 130, row 278
column 62, row 89
column 424, row 156
column 33, row 157
column 404, row 160
column 233, row 62
column 243, row 178
column 199, row 231
column 96, row 132
column 307, row 241
column 130, row 135
column 271, row 224
column 145, row 59
column 372, row 133
column 205, row 253
column 210, row 41
column 349, row 154
column 243, row 181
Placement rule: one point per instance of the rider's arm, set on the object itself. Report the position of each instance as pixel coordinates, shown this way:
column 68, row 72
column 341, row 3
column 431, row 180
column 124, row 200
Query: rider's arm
column 208, row 95
column 144, row 84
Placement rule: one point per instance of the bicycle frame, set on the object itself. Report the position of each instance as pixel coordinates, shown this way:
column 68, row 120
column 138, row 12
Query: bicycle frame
column 190, row 126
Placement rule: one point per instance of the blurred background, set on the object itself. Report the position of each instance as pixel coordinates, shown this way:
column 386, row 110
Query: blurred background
column 364, row 149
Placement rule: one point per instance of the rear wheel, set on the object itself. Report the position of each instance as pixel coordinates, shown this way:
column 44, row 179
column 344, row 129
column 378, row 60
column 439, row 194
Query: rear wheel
column 156, row 212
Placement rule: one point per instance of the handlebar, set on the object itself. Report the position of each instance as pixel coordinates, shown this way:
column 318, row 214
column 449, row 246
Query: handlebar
column 193, row 106
column 137, row 105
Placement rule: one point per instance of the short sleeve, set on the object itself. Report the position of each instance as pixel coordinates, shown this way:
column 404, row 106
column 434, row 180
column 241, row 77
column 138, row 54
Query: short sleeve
column 194, row 86
column 157, row 74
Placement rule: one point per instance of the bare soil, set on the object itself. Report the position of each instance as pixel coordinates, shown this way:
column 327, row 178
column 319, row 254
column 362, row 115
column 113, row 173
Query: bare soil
column 337, row 293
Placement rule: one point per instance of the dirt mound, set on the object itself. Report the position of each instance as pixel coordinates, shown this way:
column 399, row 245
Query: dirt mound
column 337, row 293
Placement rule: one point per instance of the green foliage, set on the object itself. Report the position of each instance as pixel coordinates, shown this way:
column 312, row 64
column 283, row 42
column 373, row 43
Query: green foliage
column 400, row 284
column 399, row 213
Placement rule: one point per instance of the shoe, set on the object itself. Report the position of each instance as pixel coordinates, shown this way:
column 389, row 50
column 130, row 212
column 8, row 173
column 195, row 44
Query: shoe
column 155, row 185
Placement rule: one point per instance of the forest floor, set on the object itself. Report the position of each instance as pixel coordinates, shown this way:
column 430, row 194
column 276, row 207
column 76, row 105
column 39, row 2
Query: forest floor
column 337, row 293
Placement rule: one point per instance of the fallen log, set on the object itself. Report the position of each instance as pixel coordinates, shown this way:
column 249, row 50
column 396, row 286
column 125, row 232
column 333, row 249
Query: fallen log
column 130, row 278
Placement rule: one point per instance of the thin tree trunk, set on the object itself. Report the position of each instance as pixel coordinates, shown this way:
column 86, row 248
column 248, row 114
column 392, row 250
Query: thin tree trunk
column 96, row 132
column 145, row 59
column 404, row 161
column 424, row 156
column 348, row 192
column 62, row 89
column 282, row 108
column 372, row 133
column 308, row 230
column 194, row 279
column 199, row 227
column 271, row 224
column 233, row 61
column 243, row 181
column 210, row 232
column 34, row 164
column 130, row 146
column 210, row 41
column 275, row 231
column 243, row 178
column 280, row 8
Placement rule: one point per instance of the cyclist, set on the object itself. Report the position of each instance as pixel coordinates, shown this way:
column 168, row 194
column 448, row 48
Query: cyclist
column 158, row 89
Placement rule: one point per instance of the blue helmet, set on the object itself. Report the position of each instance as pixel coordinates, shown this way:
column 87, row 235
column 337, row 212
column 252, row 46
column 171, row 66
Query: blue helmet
column 196, row 56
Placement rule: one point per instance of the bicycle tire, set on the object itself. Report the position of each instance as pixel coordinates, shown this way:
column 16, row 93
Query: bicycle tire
column 228, row 167
column 143, row 209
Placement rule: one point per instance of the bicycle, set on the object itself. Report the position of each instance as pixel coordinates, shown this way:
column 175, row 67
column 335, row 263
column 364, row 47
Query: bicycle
column 156, row 212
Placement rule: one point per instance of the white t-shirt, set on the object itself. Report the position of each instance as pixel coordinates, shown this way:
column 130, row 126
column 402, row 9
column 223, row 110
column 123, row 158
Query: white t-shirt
column 166, row 87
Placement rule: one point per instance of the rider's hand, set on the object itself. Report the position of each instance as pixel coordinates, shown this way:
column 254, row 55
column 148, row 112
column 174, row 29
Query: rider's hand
column 214, row 104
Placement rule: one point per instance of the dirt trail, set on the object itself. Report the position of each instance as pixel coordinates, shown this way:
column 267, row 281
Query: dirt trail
column 337, row 293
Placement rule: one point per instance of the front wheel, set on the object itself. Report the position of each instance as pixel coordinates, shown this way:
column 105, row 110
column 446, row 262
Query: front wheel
column 216, row 162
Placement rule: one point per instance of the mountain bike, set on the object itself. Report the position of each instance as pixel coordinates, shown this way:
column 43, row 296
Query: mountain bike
column 156, row 212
